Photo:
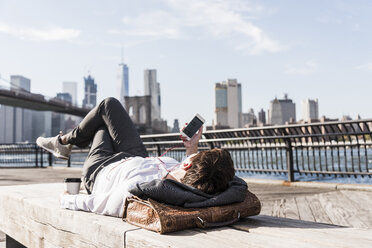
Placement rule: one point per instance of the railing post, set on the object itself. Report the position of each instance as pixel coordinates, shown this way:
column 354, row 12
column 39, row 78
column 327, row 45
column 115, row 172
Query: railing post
column 50, row 159
column 289, row 154
column 159, row 150
column 36, row 156
column 41, row 158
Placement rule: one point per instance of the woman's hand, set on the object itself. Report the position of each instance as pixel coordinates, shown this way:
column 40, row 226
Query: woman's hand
column 192, row 144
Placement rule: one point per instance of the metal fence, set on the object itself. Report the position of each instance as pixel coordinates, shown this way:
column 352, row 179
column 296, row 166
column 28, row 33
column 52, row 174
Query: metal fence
column 331, row 148
column 22, row 155
column 328, row 148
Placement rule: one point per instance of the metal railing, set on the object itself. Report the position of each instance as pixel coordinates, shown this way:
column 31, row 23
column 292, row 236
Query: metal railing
column 331, row 148
column 342, row 148
column 22, row 155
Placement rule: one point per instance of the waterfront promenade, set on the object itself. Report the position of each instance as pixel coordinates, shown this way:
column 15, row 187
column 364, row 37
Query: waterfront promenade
column 321, row 203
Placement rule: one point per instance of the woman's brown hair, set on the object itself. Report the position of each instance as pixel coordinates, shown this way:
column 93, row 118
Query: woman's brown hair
column 211, row 171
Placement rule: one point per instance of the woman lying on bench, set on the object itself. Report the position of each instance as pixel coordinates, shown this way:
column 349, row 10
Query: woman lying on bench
column 118, row 161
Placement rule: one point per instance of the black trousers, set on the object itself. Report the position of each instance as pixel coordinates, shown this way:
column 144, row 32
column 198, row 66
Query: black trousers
column 113, row 136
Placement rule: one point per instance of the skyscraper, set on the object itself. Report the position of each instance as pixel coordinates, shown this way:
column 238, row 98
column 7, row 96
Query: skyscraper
column 71, row 88
column 152, row 88
column 123, row 77
column 249, row 118
column 282, row 111
column 16, row 123
column 65, row 97
column 90, row 95
column 228, row 103
column 18, row 82
column 262, row 117
column 176, row 126
column 310, row 110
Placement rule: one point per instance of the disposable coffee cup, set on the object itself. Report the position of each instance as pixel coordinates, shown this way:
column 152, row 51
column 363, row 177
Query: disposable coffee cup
column 72, row 185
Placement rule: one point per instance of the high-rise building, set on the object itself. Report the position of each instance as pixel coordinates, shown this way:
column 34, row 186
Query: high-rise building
column 90, row 95
column 123, row 77
column 18, row 82
column 152, row 88
column 71, row 88
column 42, row 124
column 249, row 118
column 65, row 97
column 6, row 124
column 176, row 126
column 262, row 117
column 16, row 123
column 228, row 103
column 310, row 110
column 282, row 111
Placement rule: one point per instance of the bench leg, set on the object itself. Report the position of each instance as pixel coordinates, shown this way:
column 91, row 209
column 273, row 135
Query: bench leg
column 12, row 243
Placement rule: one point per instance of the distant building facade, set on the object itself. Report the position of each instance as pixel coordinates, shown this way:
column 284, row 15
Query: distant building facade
column 152, row 88
column 71, row 88
column 65, row 97
column 59, row 120
column 282, row 111
column 310, row 110
column 262, row 117
column 228, row 104
column 41, row 124
column 90, row 92
column 18, row 82
column 123, row 78
column 140, row 110
column 145, row 110
column 16, row 123
column 249, row 119
column 176, row 126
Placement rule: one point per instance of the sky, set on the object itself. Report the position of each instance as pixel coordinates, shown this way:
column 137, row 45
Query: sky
column 307, row 49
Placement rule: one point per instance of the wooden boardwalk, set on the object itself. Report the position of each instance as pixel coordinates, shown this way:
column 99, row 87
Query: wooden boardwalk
column 32, row 216
column 344, row 208
column 316, row 205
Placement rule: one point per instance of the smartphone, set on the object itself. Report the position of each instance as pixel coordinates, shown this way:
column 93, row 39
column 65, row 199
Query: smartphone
column 192, row 127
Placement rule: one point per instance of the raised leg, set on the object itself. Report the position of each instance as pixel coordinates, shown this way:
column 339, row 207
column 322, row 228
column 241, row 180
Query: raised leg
column 111, row 114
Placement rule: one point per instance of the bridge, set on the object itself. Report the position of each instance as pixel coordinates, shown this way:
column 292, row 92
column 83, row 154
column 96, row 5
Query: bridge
column 24, row 99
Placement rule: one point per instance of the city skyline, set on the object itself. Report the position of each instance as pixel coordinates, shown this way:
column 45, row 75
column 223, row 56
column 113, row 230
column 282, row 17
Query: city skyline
column 271, row 49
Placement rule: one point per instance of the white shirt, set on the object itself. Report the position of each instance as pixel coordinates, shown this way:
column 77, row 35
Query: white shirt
column 113, row 182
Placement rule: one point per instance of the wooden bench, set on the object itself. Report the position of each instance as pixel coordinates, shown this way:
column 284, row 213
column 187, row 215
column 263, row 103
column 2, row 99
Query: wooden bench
column 30, row 215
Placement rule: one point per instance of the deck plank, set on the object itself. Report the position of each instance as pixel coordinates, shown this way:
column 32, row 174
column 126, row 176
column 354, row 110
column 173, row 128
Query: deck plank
column 362, row 202
column 304, row 209
column 267, row 208
column 290, row 209
column 340, row 210
column 317, row 210
column 307, row 233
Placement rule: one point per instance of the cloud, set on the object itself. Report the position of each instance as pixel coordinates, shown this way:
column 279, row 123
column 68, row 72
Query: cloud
column 367, row 67
column 309, row 68
column 193, row 19
column 329, row 20
column 51, row 34
column 155, row 25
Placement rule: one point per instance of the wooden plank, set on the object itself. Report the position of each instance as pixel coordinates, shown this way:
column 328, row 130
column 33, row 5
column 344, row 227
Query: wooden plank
column 278, row 208
column 307, row 233
column 340, row 209
column 363, row 202
column 290, row 209
column 317, row 210
column 267, row 207
column 361, row 199
column 212, row 238
column 304, row 209
column 31, row 215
